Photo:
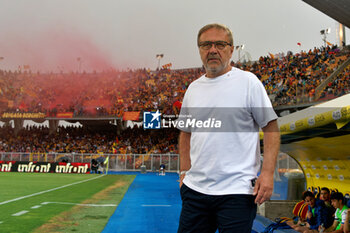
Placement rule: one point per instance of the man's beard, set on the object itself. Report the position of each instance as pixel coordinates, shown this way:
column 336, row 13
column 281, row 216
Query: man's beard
column 214, row 70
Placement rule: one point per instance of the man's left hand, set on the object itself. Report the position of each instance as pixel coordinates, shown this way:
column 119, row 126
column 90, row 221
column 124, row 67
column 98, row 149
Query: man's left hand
column 263, row 188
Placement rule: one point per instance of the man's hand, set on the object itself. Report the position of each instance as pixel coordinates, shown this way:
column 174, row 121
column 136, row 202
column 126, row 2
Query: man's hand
column 184, row 151
column 309, row 214
column 263, row 188
column 181, row 179
column 264, row 185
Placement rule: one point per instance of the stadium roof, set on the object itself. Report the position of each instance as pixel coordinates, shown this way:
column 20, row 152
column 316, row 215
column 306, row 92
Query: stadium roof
column 329, row 119
column 324, row 107
column 336, row 9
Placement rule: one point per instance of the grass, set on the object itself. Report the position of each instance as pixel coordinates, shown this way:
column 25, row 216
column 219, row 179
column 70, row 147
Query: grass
column 53, row 217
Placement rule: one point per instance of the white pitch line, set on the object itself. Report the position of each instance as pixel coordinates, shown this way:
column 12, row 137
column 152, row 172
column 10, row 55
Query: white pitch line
column 50, row 190
column 35, row 207
column 69, row 203
column 20, row 213
column 156, row 205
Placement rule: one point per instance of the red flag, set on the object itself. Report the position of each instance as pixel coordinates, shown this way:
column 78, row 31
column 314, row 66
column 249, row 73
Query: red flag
column 23, row 106
column 299, row 43
column 177, row 104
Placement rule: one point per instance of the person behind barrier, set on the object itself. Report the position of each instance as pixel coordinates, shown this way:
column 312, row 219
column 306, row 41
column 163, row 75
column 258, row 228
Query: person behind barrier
column 219, row 185
column 337, row 200
column 162, row 169
column 101, row 168
column 347, row 220
column 94, row 166
column 318, row 216
column 325, row 195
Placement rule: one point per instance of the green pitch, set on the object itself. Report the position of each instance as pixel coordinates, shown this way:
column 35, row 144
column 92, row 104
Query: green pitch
column 37, row 202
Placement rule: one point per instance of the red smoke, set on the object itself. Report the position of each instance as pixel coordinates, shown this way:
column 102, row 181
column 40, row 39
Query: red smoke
column 53, row 49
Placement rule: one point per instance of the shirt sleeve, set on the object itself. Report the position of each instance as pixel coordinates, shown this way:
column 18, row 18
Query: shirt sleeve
column 336, row 215
column 260, row 104
column 343, row 217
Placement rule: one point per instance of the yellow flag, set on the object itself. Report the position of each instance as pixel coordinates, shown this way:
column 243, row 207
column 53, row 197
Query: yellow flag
column 106, row 160
column 329, row 43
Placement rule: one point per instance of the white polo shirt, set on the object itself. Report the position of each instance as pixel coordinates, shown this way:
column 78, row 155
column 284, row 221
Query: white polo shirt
column 227, row 160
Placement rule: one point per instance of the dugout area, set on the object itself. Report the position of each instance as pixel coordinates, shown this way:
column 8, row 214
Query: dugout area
column 318, row 138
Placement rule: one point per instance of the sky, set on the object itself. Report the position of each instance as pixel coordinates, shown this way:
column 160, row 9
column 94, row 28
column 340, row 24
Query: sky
column 76, row 35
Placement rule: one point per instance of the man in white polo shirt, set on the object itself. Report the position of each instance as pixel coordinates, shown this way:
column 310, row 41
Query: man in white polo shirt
column 220, row 160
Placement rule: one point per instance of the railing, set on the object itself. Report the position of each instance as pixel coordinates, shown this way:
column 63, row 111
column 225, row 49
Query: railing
column 117, row 162
column 331, row 78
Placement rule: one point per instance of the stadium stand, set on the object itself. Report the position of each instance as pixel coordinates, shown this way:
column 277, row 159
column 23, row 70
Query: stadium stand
column 81, row 140
column 289, row 79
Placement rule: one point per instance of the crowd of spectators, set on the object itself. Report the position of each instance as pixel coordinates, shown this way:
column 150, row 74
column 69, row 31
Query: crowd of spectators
column 293, row 78
column 288, row 79
column 81, row 140
column 109, row 93
column 339, row 86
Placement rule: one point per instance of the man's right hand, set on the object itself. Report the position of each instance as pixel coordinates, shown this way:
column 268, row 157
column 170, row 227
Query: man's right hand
column 184, row 151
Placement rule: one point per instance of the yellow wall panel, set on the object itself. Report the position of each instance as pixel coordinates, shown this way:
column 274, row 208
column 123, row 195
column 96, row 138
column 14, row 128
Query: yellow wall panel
column 327, row 173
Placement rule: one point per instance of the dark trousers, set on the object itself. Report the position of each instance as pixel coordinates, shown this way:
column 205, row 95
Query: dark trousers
column 203, row 213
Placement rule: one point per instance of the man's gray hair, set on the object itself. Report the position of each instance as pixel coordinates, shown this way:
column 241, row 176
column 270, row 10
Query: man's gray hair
column 217, row 26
